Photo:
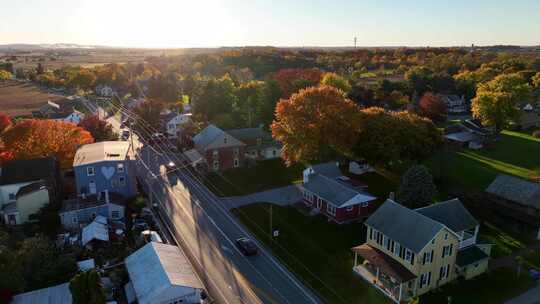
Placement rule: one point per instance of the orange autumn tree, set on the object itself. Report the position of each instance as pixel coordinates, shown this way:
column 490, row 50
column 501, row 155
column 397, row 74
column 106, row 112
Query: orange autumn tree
column 315, row 121
column 32, row 138
column 292, row 80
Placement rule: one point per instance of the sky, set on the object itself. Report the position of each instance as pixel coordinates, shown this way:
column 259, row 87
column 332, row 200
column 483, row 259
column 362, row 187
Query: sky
column 213, row 23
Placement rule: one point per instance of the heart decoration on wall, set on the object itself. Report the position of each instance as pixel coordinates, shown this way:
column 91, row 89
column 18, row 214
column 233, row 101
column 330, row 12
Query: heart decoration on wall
column 108, row 172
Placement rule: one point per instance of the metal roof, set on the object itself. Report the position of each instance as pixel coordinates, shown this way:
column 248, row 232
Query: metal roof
column 103, row 151
column 59, row 294
column 157, row 268
column 336, row 192
column 516, row 189
column 451, row 213
column 330, row 169
column 97, row 230
column 403, row 225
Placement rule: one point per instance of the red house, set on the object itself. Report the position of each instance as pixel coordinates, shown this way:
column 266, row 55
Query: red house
column 325, row 190
column 220, row 150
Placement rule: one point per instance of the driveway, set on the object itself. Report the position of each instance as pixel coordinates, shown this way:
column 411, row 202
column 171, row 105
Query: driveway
column 532, row 296
column 280, row 196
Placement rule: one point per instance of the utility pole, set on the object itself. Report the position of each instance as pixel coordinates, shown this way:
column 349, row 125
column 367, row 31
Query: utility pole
column 354, row 42
column 271, row 226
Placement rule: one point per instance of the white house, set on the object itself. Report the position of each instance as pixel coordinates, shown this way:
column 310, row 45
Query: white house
column 174, row 121
column 161, row 273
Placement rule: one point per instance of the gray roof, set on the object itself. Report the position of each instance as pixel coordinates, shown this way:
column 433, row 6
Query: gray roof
column 249, row 134
column 516, row 189
column 103, row 151
column 207, row 136
column 334, row 191
column 157, row 267
column 403, row 225
column 451, row 213
column 59, row 294
column 464, row 136
column 330, row 169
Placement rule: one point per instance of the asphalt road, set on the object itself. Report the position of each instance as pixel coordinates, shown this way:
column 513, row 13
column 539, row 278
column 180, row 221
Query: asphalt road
column 206, row 231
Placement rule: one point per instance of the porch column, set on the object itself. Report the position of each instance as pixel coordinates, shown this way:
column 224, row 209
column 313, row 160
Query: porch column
column 400, row 291
column 377, row 276
column 355, row 258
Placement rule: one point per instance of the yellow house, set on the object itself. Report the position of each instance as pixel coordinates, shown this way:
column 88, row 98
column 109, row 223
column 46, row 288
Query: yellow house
column 410, row 252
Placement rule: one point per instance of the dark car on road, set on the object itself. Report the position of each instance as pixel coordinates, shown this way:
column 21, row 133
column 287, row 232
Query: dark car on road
column 246, row 246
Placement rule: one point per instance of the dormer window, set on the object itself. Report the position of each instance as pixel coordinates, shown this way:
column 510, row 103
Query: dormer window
column 224, row 140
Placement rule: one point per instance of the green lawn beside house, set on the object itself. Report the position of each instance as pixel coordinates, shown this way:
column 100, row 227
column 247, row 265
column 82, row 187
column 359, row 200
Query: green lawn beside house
column 495, row 287
column 503, row 243
column 316, row 251
column 265, row 175
column 514, row 153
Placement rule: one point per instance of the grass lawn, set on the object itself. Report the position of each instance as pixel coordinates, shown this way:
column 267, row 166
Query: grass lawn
column 474, row 170
column 495, row 287
column 504, row 243
column 318, row 252
column 265, row 175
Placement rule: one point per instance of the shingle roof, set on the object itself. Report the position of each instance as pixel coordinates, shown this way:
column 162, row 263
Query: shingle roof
column 403, row 225
column 103, row 151
column 470, row 255
column 29, row 170
column 516, row 189
column 451, row 213
column 249, row 134
column 33, row 187
column 207, row 136
column 334, row 191
column 156, row 267
column 59, row 294
column 330, row 169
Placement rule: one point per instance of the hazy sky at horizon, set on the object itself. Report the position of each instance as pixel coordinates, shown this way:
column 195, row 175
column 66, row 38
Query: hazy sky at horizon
column 208, row 23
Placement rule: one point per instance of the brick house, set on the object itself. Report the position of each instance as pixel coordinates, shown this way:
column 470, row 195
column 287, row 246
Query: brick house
column 325, row 190
column 219, row 149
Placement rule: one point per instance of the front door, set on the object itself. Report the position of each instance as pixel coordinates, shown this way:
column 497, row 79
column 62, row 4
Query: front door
column 92, row 187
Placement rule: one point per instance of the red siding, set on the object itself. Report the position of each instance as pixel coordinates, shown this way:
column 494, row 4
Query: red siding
column 225, row 157
column 342, row 214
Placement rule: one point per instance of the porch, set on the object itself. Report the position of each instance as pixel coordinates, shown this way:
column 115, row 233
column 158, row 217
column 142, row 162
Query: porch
column 384, row 273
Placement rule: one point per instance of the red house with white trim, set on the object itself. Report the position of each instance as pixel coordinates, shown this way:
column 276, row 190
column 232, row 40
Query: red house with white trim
column 325, row 190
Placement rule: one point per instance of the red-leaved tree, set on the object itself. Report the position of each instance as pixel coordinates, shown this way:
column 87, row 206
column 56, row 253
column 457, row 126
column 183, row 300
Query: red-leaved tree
column 5, row 121
column 432, row 107
column 33, row 138
column 98, row 128
column 292, row 80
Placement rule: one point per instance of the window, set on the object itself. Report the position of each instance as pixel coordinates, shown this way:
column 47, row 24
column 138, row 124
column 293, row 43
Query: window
column 397, row 249
column 90, row 171
column 386, row 241
column 236, row 151
column 74, row 220
column 115, row 214
column 274, row 152
column 331, row 209
column 425, row 279
column 93, row 216
column 364, row 204
column 446, row 236
column 444, row 272
column 12, row 196
column 215, row 153
column 122, row 180
column 216, row 165
column 236, row 163
column 380, row 237
column 447, row 250
column 224, row 140
column 428, row 257
column 120, row 168
column 409, row 256
column 350, row 208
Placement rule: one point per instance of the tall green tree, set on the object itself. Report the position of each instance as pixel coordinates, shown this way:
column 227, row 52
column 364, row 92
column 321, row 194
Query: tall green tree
column 496, row 102
column 417, row 187
column 86, row 288
column 269, row 98
column 215, row 97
